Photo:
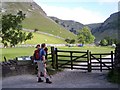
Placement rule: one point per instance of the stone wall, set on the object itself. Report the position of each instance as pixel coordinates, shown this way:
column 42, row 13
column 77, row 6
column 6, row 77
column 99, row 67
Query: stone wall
column 14, row 67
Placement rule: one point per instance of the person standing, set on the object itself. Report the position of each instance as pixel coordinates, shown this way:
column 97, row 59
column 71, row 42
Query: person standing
column 42, row 65
column 36, row 57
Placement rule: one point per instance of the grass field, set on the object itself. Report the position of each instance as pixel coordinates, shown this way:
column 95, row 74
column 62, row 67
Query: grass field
column 10, row 53
column 93, row 49
column 42, row 38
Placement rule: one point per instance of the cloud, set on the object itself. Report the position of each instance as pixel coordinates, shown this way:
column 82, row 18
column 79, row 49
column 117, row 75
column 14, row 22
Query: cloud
column 77, row 13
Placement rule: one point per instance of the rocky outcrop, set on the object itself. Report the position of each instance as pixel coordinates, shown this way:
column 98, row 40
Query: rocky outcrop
column 72, row 26
column 109, row 28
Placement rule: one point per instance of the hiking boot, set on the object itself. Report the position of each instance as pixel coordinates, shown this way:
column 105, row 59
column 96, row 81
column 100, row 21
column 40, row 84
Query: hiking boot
column 48, row 81
column 40, row 80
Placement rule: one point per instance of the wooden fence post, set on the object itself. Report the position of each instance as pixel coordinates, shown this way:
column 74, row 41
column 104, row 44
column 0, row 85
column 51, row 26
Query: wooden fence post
column 88, row 60
column 53, row 56
column 112, row 59
column 71, row 60
column 100, row 62
column 5, row 59
column 56, row 58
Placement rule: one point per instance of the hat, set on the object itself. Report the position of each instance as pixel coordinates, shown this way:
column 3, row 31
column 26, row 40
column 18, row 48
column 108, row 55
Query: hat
column 37, row 46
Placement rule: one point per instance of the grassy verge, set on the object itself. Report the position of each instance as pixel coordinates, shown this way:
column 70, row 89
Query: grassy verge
column 114, row 77
column 10, row 53
column 93, row 49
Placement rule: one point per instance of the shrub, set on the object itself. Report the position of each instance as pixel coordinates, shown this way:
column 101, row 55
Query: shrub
column 104, row 42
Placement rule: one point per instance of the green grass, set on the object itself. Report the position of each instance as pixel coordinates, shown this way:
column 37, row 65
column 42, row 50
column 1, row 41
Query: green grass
column 10, row 53
column 46, row 25
column 93, row 49
column 42, row 38
column 37, row 19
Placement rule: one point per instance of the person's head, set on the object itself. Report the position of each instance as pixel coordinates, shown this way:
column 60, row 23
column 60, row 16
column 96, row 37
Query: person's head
column 43, row 45
column 46, row 49
column 38, row 46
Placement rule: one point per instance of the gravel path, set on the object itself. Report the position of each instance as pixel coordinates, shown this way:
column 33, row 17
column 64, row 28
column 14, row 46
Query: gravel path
column 65, row 79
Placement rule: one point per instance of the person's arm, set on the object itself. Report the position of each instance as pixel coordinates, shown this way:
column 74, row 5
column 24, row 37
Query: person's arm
column 43, row 56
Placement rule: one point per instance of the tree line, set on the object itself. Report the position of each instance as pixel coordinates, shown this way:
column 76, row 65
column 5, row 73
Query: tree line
column 85, row 36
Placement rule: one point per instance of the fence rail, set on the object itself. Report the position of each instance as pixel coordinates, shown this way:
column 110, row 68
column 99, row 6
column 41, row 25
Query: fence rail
column 99, row 62
column 84, row 60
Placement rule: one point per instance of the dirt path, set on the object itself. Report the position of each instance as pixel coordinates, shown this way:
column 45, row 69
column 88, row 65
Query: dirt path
column 65, row 79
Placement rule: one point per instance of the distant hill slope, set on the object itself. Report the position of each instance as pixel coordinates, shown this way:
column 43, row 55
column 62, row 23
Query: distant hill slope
column 72, row 26
column 108, row 28
column 100, row 30
column 93, row 26
column 36, row 18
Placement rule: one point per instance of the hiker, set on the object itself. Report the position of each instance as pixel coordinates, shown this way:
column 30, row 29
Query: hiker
column 36, row 57
column 42, row 65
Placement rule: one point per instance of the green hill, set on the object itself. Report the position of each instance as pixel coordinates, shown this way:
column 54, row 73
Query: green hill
column 42, row 38
column 36, row 18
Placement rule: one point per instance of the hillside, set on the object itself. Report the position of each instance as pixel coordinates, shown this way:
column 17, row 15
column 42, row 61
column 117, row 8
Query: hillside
column 94, row 26
column 72, row 26
column 100, row 30
column 108, row 28
column 44, row 38
column 36, row 18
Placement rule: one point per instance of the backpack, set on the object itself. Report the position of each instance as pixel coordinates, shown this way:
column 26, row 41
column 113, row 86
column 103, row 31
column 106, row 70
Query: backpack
column 37, row 55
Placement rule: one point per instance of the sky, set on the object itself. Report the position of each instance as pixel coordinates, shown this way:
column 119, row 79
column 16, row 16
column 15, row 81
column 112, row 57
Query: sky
column 83, row 11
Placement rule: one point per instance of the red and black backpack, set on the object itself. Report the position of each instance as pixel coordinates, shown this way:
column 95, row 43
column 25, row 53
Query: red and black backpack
column 37, row 55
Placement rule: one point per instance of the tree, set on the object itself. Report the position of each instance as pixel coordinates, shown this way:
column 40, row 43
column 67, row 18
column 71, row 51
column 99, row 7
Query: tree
column 85, row 36
column 111, row 40
column 104, row 42
column 12, row 29
column 67, row 40
column 70, row 41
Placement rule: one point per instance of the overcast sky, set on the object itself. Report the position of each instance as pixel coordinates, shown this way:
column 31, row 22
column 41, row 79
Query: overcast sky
column 83, row 11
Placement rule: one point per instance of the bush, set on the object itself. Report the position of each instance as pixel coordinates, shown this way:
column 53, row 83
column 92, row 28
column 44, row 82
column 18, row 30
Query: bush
column 70, row 41
column 114, row 77
column 36, row 30
column 104, row 42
